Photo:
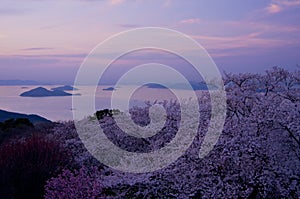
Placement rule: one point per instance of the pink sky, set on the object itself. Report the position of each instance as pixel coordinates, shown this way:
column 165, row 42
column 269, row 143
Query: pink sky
column 47, row 40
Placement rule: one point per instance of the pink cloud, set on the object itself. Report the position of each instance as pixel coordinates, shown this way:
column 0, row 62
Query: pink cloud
column 249, row 41
column 116, row 2
column 167, row 3
column 279, row 5
column 273, row 8
column 288, row 2
column 190, row 21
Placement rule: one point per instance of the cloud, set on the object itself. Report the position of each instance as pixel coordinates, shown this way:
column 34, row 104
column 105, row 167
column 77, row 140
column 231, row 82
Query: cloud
column 56, row 56
column 273, row 8
column 116, row 2
column 167, row 3
column 249, row 41
column 13, row 11
column 36, row 49
column 190, row 21
column 288, row 2
column 129, row 25
column 277, row 6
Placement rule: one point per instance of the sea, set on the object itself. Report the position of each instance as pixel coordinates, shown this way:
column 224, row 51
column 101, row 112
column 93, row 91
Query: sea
column 60, row 108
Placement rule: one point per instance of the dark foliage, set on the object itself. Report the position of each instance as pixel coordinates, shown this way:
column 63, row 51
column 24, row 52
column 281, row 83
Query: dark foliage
column 26, row 165
column 106, row 113
column 14, row 127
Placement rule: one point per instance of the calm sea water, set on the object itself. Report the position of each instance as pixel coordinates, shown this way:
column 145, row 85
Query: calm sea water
column 60, row 108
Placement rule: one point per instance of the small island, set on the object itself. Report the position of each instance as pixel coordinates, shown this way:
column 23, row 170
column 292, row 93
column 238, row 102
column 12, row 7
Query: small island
column 64, row 88
column 154, row 85
column 182, row 86
column 109, row 89
column 202, row 86
column 43, row 92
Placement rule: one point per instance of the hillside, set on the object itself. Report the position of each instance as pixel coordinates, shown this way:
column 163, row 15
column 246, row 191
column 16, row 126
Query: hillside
column 5, row 115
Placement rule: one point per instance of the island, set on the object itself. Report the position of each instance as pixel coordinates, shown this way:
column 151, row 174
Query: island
column 154, row 85
column 193, row 85
column 109, row 89
column 182, row 86
column 43, row 92
column 64, row 88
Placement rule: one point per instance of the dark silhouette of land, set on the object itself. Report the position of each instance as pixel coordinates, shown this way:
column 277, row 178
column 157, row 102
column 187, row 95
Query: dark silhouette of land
column 109, row 89
column 5, row 115
column 64, row 88
column 42, row 92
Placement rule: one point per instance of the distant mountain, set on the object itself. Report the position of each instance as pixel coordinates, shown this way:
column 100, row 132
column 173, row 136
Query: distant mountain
column 17, row 82
column 5, row 115
column 42, row 92
column 109, row 89
column 64, row 88
column 195, row 86
column 153, row 85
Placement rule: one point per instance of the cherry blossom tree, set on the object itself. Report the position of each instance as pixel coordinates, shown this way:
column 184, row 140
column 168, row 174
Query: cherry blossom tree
column 257, row 155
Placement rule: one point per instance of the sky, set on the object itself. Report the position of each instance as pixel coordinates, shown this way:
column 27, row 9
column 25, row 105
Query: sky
column 47, row 40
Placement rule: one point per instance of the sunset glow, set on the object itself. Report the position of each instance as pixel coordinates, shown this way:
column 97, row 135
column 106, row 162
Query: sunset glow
column 52, row 38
